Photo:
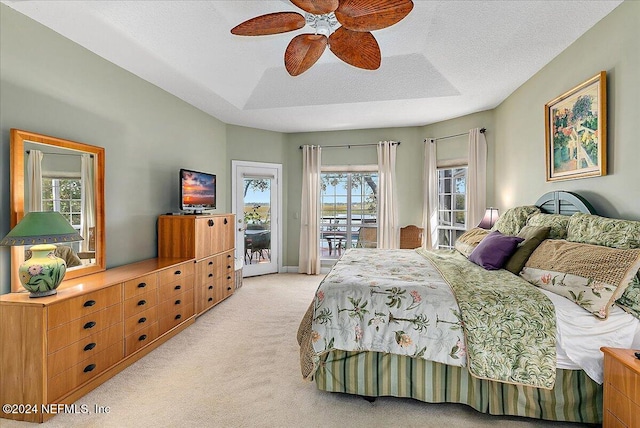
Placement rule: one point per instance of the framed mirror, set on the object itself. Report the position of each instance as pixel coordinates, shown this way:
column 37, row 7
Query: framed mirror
column 49, row 173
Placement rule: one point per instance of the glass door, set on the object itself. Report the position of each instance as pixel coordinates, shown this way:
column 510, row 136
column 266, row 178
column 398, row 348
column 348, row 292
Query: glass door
column 257, row 207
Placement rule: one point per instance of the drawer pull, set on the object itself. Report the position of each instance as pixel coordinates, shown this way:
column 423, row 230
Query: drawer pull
column 228, row 288
column 210, row 275
column 142, row 320
column 228, row 266
column 143, row 337
column 90, row 346
column 177, row 317
column 211, row 287
column 211, row 223
column 178, row 302
column 228, row 256
column 142, row 302
column 177, row 287
column 210, row 299
column 178, row 272
column 89, row 325
column 89, row 303
column 228, row 277
column 226, row 221
column 142, row 285
column 210, row 263
column 89, row 368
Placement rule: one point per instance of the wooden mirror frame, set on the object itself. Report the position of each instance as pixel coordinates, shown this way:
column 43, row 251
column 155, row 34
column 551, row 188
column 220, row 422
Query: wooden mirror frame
column 18, row 139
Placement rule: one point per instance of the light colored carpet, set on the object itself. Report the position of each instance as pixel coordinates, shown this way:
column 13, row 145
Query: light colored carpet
column 237, row 366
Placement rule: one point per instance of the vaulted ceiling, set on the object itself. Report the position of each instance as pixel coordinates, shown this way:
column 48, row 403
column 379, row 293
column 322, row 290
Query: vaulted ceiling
column 445, row 59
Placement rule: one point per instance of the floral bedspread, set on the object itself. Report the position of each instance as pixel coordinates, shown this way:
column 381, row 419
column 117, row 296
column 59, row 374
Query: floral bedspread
column 401, row 302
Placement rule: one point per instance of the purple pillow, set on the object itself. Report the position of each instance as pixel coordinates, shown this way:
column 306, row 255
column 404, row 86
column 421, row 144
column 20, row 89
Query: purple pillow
column 494, row 250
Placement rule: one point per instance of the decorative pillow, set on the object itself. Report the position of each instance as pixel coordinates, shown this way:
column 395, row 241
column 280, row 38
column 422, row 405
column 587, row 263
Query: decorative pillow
column 591, row 276
column 470, row 240
column 494, row 250
column 610, row 232
column 514, row 219
column 557, row 222
column 630, row 299
column 533, row 236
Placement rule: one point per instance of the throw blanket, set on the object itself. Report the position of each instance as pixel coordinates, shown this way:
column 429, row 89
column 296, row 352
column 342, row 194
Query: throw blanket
column 397, row 301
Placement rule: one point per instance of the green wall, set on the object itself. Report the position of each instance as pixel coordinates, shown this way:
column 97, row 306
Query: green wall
column 52, row 86
column 613, row 45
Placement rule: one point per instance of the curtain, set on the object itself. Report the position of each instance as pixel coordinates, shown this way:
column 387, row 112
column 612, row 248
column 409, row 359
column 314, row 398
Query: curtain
column 388, row 230
column 309, row 253
column 88, row 217
column 477, row 178
column 34, row 178
column 430, row 199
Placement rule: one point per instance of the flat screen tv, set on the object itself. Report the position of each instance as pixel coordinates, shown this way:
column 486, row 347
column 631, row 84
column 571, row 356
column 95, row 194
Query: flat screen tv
column 197, row 191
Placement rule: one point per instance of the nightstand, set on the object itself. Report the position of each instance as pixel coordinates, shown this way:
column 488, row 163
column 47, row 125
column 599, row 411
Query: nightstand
column 621, row 388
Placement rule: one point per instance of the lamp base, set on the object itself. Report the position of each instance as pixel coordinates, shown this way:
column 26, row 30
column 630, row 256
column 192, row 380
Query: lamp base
column 42, row 293
column 43, row 272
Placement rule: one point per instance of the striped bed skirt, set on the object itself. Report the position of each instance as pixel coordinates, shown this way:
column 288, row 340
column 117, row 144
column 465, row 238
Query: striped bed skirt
column 574, row 398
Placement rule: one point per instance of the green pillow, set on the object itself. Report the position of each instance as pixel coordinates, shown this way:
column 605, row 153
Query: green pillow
column 514, row 219
column 630, row 299
column 533, row 236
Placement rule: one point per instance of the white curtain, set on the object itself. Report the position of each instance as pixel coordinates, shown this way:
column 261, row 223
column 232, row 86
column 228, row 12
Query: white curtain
column 309, row 254
column 388, row 230
column 88, row 200
column 34, row 178
column 477, row 178
column 430, row 199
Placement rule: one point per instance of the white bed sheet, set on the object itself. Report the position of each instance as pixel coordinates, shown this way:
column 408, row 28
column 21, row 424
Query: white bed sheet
column 580, row 336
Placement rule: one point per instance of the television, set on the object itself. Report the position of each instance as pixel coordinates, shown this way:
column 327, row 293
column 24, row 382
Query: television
column 197, row 191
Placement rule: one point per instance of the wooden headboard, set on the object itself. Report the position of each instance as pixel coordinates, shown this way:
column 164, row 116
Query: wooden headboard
column 565, row 203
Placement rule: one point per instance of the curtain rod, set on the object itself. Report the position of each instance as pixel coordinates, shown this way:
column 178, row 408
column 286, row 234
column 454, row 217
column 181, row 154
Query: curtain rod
column 348, row 146
column 482, row 131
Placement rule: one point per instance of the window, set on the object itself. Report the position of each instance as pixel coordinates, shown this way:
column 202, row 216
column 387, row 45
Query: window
column 452, row 205
column 65, row 196
column 349, row 208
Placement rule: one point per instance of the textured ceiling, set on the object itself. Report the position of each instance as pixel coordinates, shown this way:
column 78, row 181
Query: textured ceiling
column 444, row 60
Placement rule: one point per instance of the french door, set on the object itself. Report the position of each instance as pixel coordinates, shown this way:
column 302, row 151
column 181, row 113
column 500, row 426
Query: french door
column 257, row 197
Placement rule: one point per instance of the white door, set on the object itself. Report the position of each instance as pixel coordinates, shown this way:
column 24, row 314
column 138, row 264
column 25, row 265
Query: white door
column 256, row 202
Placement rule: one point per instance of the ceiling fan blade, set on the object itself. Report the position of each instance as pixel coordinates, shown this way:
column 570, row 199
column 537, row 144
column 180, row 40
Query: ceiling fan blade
column 370, row 15
column 358, row 48
column 271, row 23
column 303, row 51
column 317, row 7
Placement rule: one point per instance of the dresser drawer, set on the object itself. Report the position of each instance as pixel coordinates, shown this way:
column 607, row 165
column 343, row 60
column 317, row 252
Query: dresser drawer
column 82, row 328
column 176, row 273
column 207, row 269
column 140, row 303
column 171, row 290
column 141, row 285
column 178, row 316
column 77, row 307
column 225, row 264
column 65, row 382
column 170, row 306
column 140, row 338
column 625, row 380
column 140, row 320
column 73, row 354
column 622, row 407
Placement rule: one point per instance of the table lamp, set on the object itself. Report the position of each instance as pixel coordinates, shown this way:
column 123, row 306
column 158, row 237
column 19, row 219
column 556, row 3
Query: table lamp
column 43, row 272
column 490, row 218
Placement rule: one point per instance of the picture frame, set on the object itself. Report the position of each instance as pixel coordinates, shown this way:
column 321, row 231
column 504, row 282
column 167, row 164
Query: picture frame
column 576, row 131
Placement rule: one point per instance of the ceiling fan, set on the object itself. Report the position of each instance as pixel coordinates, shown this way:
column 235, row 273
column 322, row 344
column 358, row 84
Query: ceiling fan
column 352, row 41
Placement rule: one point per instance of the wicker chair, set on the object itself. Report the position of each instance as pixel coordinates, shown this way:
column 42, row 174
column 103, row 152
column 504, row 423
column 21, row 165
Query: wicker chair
column 411, row 237
column 367, row 237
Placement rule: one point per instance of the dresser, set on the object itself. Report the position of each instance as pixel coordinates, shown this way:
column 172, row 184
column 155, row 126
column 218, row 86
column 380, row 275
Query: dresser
column 621, row 388
column 209, row 239
column 55, row 349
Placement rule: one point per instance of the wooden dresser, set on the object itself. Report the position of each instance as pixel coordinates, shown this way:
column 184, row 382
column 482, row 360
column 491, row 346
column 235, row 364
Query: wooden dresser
column 621, row 388
column 56, row 349
column 210, row 240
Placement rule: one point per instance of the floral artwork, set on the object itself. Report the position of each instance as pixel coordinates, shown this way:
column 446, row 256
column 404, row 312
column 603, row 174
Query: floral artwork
column 576, row 131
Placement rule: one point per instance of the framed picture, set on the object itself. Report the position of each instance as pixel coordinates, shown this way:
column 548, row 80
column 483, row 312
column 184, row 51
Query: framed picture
column 576, row 131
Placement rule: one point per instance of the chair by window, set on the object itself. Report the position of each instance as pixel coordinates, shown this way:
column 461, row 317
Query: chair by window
column 411, row 237
column 367, row 237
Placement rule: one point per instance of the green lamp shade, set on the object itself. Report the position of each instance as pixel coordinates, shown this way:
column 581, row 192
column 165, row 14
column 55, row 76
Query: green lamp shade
column 43, row 272
column 41, row 227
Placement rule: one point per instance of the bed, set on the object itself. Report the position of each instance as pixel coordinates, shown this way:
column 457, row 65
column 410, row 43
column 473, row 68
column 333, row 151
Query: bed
column 425, row 325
